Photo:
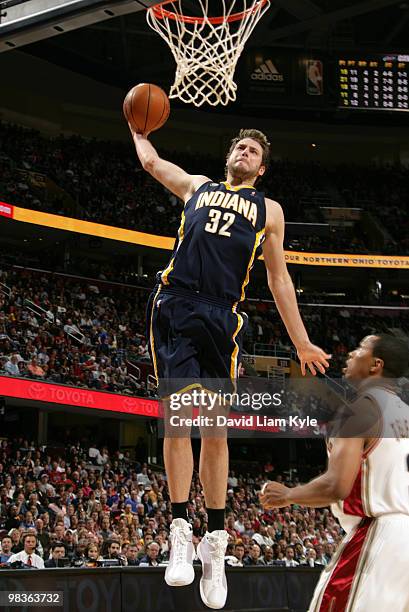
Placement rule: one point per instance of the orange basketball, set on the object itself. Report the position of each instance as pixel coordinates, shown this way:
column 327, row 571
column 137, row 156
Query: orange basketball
column 146, row 107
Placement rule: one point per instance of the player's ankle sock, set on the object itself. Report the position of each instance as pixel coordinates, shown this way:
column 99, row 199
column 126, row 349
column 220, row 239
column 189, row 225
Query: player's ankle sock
column 215, row 518
column 179, row 510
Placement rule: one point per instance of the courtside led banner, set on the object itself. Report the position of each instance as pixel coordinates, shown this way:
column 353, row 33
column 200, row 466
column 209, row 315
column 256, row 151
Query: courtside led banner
column 346, row 261
column 73, row 396
column 110, row 232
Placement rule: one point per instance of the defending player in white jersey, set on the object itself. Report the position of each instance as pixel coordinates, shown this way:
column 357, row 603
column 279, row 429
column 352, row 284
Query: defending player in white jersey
column 367, row 483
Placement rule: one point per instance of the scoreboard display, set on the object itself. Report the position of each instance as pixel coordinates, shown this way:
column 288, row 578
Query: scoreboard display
column 375, row 83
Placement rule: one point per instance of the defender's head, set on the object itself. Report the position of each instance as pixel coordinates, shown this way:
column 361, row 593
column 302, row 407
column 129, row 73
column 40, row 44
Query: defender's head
column 380, row 355
column 248, row 156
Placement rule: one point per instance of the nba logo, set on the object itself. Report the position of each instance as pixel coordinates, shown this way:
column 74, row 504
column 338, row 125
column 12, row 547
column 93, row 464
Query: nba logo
column 314, row 78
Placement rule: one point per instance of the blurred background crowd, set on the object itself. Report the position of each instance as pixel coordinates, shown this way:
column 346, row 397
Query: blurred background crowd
column 89, row 505
column 91, row 333
column 103, row 182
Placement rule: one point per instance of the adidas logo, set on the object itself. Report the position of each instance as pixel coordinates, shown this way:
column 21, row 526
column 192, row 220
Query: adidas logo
column 267, row 72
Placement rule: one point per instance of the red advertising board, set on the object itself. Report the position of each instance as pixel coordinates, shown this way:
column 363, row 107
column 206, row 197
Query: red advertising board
column 49, row 393
column 6, row 210
column 72, row 396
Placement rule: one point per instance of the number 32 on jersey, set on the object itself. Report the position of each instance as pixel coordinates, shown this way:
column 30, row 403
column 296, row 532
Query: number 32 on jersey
column 214, row 225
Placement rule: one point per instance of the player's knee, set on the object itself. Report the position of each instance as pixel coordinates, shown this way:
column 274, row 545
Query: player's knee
column 178, row 442
column 213, row 442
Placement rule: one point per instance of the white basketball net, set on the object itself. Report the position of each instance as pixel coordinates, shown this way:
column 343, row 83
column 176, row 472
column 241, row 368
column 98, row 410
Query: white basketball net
column 206, row 53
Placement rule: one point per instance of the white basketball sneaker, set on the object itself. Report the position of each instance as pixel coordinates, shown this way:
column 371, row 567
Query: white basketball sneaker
column 180, row 570
column 211, row 552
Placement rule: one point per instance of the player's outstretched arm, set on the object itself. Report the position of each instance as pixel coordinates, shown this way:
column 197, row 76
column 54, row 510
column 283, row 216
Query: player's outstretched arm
column 335, row 484
column 282, row 288
column 179, row 182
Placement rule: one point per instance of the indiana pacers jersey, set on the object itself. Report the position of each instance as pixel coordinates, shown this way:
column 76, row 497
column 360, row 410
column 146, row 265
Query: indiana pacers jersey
column 219, row 238
column 382, row 484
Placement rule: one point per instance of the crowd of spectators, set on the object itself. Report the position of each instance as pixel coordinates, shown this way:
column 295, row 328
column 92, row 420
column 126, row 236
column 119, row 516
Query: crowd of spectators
column 71, row 332
column 91, row 333
column 104, row 182
column 88, row 505
column 84, row 264
column 338, row 240
column 338, row 330
column 383, row 190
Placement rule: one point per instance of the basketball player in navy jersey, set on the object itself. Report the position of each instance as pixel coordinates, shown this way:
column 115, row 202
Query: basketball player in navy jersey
column 196, row 329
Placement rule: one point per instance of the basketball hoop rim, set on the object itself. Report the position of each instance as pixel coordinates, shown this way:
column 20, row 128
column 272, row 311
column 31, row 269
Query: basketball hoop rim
column 161, row 13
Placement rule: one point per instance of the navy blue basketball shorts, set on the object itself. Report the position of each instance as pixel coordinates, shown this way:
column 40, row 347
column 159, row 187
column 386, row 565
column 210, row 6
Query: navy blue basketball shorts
column 194, row 338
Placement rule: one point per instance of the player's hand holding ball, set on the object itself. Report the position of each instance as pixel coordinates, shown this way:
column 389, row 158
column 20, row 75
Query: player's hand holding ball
column 146, row 108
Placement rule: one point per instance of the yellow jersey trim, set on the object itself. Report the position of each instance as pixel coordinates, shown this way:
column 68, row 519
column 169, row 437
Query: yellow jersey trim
column 151, row 337
column 258, row 240
column 232, row 188
column 181, row 235
column 233, row 362
column 181, row 390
